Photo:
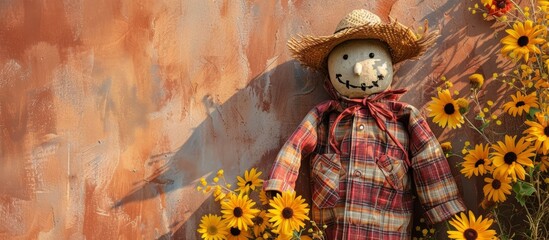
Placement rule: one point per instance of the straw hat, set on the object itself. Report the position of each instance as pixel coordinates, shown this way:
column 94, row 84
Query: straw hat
column 403, row 44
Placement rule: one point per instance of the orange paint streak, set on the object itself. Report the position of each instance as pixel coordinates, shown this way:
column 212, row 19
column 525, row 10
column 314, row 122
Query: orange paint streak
column 111, row 110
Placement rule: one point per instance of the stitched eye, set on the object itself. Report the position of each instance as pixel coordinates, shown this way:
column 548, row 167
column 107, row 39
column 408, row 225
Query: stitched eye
column 372, row 55
column 345, row 57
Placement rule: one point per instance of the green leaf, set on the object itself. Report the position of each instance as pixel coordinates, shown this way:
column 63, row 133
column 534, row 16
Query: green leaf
column 532, row 113
column 522, row 191
column 484, row 125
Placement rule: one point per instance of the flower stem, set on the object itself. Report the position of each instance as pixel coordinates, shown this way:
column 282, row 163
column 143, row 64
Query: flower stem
column 471, row 125
column 497, row 221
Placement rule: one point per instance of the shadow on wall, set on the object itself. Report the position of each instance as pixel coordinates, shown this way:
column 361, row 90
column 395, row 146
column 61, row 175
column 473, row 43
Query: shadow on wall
column 449, row 56
column 245, row 131
column 249, row 128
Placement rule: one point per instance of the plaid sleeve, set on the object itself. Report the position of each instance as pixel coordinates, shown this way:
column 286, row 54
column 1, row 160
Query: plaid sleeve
column 303, row 141
column 435, row 185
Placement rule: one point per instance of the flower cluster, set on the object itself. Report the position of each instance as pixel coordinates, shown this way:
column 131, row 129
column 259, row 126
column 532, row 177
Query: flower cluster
column 423, row 230
column 248, row 213
column 513, row 160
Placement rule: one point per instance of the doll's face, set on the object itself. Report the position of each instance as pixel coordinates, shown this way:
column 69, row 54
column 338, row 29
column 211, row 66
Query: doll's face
column 359, row 68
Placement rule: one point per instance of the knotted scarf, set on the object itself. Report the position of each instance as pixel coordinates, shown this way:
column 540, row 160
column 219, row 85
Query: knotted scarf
column 379, row 111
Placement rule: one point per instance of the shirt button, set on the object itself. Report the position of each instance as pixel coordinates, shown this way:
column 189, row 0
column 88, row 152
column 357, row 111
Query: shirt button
column 358, row 173
column 361, row 127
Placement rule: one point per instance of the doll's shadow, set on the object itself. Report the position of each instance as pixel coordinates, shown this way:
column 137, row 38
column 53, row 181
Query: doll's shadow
column 248, row 129
column 461, row 31
column 245, row 131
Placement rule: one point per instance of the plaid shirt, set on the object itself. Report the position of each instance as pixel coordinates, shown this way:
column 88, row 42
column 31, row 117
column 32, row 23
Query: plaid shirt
column 365, row 192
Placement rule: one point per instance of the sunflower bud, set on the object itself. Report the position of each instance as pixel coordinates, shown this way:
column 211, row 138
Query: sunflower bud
column 446, row 147
column 463, row 105
column 476, row 80
column 486, row 203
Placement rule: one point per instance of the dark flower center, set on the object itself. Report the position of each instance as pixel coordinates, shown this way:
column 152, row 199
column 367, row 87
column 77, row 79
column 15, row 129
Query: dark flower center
column 479, row 162
column 237, row 212
column 249, row 183
column 470, row 234
column 212, row 230
column 287, row 213
column 546, row 131
column 496, row 184
column 522, row 41
column 257, row 220
column 520, row 103
column 449, row 108
column 500, row 4
column 510, row 157
column 235, row 231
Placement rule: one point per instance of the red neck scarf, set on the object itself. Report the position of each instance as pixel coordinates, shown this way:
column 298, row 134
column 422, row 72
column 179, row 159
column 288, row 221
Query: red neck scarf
column 378, row 110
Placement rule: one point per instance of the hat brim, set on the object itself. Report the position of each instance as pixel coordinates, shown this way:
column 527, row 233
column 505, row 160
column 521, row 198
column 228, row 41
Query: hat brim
column 403, row 44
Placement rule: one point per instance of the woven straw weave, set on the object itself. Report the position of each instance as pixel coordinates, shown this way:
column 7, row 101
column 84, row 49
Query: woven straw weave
column 357, row 18
column 403, row 44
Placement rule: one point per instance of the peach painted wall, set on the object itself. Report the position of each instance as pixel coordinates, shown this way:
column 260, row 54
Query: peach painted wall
column 111, row 110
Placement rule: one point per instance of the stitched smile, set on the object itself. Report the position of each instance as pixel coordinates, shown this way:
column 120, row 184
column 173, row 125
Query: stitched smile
column 362, row 86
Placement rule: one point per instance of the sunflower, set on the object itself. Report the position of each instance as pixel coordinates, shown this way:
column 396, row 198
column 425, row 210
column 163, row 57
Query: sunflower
column 445, row 110
column 499, row 7
column 510, row 158
column 521, row 103
column 463, row 105
column 237, row 234
column 539, row 133
column 260, row 223
column 267, row 235
column 486, row 2
column 238, row 211
column 219, row 194
column 305, row 237
column 250, row 181
column 263, row 197
column 476, row 80
column 471, row 228
column 522, row 40
column 543, row 4
column 540, row 82
column 288, row 212
column 476, row 161
column 284, row 237
column 446, row 147
column 212, row 227
column 496, row 188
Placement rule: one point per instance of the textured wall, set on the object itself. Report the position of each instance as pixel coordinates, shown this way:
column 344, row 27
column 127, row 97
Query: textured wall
column 110, row 110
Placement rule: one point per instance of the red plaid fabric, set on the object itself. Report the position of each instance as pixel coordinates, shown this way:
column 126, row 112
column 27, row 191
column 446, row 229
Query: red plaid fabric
column 365, row 192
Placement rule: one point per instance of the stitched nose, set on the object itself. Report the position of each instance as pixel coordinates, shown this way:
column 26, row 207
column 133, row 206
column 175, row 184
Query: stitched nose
column 358, row 69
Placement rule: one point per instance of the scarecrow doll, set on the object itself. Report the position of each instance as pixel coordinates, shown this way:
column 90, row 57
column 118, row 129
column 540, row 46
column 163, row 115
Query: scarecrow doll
column 369, row 153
